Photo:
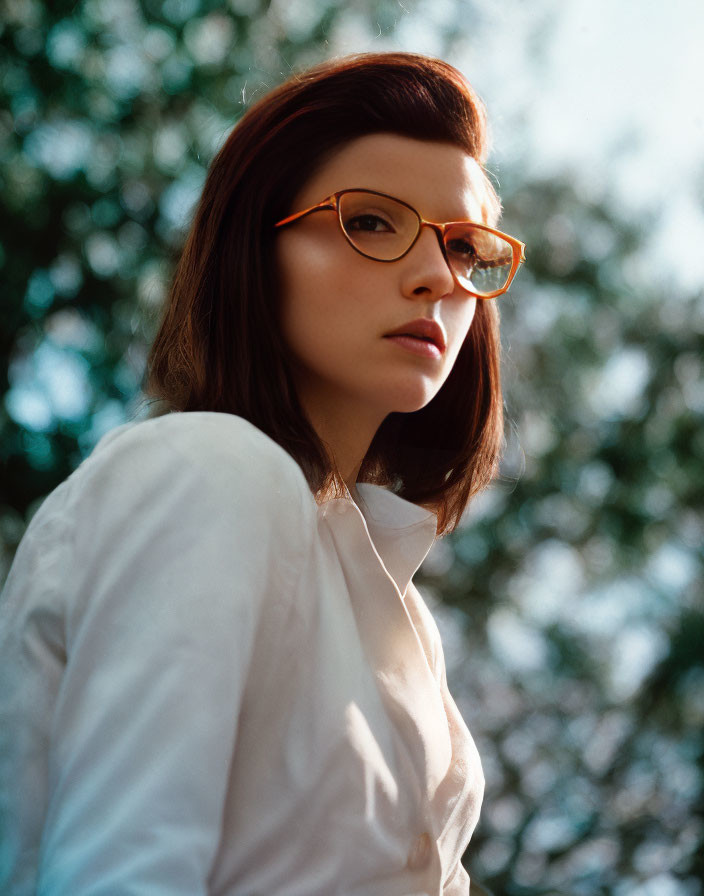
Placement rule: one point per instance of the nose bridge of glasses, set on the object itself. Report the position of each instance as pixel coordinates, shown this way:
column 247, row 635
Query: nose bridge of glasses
column 439, row 231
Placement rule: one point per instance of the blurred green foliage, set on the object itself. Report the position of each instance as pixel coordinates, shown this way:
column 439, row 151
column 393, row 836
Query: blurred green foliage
column 578, row 577
column 570, row 602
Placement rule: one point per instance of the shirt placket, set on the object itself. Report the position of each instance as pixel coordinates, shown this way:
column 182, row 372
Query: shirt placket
column 409, row 692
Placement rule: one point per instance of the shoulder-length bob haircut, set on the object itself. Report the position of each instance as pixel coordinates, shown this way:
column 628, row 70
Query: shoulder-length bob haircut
column 219, row 346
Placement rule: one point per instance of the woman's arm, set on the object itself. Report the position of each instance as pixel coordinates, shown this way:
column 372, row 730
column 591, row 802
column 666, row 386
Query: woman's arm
column 180, row 550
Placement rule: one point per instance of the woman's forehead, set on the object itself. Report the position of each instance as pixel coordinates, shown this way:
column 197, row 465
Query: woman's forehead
column 440, row 180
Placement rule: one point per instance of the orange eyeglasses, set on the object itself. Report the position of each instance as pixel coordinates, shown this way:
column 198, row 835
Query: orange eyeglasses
column 483, row 261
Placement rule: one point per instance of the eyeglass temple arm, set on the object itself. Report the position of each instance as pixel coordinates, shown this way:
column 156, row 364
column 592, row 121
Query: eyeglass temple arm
column 328, row 203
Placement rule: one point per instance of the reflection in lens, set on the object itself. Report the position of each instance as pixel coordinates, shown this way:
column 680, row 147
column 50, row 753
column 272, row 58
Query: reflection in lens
column 481, row 260
column 377, row 226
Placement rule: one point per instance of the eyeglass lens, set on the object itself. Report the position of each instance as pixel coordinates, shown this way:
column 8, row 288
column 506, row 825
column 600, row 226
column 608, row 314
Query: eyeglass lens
column 381, row 228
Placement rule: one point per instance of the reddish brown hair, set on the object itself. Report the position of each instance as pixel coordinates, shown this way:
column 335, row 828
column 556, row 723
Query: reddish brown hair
column 219, row 347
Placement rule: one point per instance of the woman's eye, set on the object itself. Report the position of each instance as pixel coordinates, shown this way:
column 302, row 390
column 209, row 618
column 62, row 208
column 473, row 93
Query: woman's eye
column 369, row 223
column 462, row 248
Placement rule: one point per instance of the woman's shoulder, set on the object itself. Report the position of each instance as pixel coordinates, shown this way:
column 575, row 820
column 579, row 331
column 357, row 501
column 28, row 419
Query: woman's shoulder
column 210, row 483
column 196, row 465
column 200, row 438
column 220, row 450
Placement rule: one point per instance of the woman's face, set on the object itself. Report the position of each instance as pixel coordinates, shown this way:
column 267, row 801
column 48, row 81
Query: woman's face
column 338, row 307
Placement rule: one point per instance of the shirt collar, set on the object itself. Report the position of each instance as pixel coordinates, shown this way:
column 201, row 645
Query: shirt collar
column 400, row 532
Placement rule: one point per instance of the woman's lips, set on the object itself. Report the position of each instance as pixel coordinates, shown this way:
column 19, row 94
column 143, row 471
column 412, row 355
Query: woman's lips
column 417, row 345
column 423, row 336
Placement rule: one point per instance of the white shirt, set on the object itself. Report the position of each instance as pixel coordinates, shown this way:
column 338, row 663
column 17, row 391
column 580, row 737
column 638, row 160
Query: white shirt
column 210, row 684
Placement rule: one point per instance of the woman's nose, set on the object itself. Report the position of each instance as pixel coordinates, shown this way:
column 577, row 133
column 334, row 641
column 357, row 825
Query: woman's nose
column 426, row 273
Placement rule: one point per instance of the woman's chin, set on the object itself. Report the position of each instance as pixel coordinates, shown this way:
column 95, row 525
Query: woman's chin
column 414, row 400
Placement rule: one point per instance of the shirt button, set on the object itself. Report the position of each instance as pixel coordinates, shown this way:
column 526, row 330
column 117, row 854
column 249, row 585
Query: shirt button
column 419, row 856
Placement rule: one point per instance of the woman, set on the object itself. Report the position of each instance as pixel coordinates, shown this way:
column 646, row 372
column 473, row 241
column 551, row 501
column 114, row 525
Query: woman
column 217, row 674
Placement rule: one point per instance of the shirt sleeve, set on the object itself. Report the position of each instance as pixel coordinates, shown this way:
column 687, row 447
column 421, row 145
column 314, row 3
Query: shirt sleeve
column 187, row 537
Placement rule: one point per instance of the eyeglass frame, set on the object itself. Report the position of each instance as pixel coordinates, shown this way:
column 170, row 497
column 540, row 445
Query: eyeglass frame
column 332, row 203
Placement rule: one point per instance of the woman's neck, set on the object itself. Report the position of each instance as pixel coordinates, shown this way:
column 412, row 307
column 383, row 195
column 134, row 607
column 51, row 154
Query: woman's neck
column 347, row 433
